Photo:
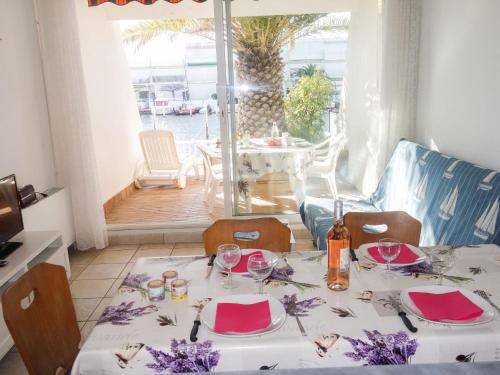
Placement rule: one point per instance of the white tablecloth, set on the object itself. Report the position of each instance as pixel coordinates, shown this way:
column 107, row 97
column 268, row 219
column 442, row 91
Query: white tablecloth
column 136, row 336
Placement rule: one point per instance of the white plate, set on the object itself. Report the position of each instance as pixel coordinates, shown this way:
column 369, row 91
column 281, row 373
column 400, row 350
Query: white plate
column 408, row 304
column 243, row 252
column 363, row 252
column 278, row 314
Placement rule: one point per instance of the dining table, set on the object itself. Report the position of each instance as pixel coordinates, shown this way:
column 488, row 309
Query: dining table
column 255, row 158
column 323, row 328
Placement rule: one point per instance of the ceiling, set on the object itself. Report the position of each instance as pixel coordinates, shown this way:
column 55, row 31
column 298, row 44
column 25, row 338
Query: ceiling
column 191, row 9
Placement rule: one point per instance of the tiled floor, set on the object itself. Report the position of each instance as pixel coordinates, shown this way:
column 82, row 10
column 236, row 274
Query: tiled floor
column 97, row 274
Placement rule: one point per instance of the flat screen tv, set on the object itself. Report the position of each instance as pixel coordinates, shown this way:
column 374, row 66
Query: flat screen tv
column 11, row 221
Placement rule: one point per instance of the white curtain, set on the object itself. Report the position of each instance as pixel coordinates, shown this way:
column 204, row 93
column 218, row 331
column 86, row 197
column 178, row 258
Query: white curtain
column 401, row 21
column 381, row 82
column 69, row 118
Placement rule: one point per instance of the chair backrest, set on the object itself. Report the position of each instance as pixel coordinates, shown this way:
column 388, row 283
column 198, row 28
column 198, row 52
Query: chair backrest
column 44, row 328
column 265, row 233
column 159, row 149
column 400, row 226
column 206, row 160
column 336, row 146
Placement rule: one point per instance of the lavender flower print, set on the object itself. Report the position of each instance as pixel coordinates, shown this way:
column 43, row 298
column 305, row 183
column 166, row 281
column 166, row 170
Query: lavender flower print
column 124, row 313
column 133, row 282
column 425, row 270
column 282, row 276
column 185, row 358
column 380, row 349
column 293, row 307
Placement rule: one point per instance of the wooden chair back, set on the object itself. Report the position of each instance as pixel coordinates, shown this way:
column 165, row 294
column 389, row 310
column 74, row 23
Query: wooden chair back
column 160, row 150
column 264, row 233
column 40, row 316
column 400, row 226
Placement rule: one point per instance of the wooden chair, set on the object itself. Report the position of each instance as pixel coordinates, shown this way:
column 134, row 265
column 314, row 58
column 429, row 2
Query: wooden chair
column 400, row 226
column 45, row 332
column 265, row 233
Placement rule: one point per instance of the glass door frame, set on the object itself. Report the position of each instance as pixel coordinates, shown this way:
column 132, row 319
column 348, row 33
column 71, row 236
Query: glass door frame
column 226, row 103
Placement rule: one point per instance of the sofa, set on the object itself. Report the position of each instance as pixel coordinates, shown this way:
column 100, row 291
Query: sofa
column 457, row 202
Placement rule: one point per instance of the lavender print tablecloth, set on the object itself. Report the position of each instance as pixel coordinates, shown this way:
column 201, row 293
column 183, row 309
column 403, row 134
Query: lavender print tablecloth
column 323, row 328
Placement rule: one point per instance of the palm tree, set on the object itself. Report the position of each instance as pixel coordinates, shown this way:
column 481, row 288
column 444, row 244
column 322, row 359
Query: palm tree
column 257, row 42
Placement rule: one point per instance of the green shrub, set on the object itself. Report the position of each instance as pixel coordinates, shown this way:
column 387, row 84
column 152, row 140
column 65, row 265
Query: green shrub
column 305, row 105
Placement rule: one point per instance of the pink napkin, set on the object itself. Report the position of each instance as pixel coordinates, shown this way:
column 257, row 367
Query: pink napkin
column 405, row 256
column 242, row 266
column 445, row 306
column 236, row 317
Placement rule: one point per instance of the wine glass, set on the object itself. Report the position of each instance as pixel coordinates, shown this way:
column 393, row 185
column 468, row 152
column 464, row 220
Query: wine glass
column 442, row 261
column 389, row 249
column 260, row 267
column 229, row 255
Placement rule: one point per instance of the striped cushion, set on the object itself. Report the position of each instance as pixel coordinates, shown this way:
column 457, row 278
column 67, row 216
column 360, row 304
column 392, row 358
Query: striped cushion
column 457, row 202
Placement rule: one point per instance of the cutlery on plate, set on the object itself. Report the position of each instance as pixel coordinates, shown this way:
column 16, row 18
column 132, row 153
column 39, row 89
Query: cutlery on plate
column 196, row 324
column 210, row 265
column 355, row 259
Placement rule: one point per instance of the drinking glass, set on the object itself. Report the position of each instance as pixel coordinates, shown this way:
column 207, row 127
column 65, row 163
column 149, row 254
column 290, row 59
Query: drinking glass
column 389, row 249
column 442, row 261
column 229, row 256
column 260, row 267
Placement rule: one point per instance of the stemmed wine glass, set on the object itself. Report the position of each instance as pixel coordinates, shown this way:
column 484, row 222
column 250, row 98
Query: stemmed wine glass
column 442, row 261
column 389, row 249
column 260, row 267
column 229, row 255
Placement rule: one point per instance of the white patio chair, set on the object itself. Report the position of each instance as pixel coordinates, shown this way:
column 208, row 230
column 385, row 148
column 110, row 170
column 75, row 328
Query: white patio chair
column 325, row 161
column 213, row 177
column 161, row 161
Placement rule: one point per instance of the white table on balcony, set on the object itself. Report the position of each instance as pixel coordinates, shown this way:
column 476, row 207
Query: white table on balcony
column 258, row 159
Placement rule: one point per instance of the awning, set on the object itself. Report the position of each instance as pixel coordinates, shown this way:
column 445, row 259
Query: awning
column 125, row 2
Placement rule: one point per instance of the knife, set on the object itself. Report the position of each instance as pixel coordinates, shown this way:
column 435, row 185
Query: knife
column 210, row 265
column 355, row 260
column 196, row 324
column 396, row 305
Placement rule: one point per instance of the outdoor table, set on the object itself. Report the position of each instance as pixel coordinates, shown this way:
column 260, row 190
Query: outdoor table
column 257, row 159
column 351, row 328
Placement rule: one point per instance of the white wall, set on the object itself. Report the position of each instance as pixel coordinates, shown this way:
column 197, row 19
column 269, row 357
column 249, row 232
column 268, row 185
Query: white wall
column 362, row 97
column 113, row 109
column 459, row 83
column 25, row 142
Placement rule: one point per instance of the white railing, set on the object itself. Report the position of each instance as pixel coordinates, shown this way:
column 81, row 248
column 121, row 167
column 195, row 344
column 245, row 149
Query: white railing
column 188, row 148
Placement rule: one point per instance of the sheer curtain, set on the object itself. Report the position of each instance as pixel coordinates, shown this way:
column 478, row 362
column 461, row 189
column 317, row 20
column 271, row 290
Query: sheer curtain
column 401, row 21
column 381, row 83
column 74, row 153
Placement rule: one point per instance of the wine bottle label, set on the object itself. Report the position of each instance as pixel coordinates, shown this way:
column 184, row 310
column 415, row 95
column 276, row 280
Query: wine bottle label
column 344, row 260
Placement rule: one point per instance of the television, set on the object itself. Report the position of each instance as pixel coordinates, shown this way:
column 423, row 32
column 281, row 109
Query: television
column 11, row 221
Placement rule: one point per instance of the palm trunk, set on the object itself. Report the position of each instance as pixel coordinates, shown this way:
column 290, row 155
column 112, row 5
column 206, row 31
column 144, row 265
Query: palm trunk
column 260, row 76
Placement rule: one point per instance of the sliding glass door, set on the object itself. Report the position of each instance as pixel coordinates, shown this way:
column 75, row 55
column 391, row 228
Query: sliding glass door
column 279, row 82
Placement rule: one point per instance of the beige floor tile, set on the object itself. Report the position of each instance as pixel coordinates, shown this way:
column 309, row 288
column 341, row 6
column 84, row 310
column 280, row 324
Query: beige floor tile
column 101, row 271
column 157, row 246
column 126, row 270
column 160, row 252
column 188, row 251
column 84, row 307
column 100, row 308
column 90, row 288
column 80, row 325
column 114, row 288
column 304, row 245
column 114, row 256
column 78, row 257
column 76, row 270
column 122, row 247
column 85, row 331
column 12, row 364
column 189, row 245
